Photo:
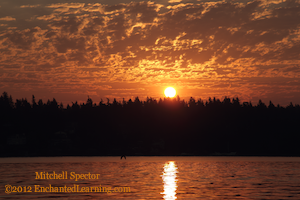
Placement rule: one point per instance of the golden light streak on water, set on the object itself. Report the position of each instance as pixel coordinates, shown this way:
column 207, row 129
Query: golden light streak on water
column 170, row 181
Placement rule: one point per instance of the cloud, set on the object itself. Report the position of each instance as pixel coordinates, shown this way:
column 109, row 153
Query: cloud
column 228, row 46
column 66, row 5
column 30, row 6
column 7, row 18
column 22, row 39
column 48, row 17
column 174, row 1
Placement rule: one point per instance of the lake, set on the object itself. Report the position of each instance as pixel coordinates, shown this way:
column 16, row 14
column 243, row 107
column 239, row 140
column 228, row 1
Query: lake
column 150, row 178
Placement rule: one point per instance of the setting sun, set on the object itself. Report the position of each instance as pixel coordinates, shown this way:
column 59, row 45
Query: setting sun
column 170, row 92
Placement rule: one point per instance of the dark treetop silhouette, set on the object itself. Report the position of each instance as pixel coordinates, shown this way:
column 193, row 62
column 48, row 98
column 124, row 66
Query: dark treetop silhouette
column 151, row 127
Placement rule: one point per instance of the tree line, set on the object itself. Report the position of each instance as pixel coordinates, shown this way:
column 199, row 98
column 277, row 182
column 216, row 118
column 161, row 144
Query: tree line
column 168, row 126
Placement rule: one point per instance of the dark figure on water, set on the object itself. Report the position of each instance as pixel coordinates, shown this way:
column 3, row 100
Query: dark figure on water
column 123, row 156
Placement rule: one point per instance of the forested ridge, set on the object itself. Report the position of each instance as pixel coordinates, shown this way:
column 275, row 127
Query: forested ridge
column 151, row 127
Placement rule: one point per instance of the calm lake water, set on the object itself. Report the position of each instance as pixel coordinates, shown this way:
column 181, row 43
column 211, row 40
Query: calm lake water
column 151, row 178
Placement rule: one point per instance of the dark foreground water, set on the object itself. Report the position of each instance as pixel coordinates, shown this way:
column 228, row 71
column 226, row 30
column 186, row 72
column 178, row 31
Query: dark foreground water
column 150, row 178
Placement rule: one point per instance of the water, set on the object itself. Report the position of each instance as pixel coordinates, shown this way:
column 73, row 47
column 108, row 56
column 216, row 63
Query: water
column 156, row 177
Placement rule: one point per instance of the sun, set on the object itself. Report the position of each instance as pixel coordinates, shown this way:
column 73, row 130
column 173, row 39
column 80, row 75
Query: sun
column 170, row 92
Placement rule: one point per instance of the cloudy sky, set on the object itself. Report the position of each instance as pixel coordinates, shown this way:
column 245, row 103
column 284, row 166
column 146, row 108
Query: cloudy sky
column 123, row 49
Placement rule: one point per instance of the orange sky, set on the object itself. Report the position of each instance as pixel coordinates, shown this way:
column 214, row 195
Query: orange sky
column 107, row 49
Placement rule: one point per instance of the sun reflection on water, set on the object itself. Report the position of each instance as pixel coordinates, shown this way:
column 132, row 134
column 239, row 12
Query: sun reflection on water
column 170, row 181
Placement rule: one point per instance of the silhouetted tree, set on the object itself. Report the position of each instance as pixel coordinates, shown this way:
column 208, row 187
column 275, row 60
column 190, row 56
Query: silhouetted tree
column 6, row 103
column 18, row 104
column 40, row 103
column 124, row 102
column 22, row 104
column 137, row 102
column 169, row 126
column 200, row 103
column 192, row 103
column 52, row 105
column 236, row 102
column 271, row 105
column 34, row 105
column 261, row 105
column 290, row 106
column 101, row 103
column 226, row 101
column 89, row 102
column 75, row 106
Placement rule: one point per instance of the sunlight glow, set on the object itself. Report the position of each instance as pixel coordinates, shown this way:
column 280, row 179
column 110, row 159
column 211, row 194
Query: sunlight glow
column 170, row 92
column 170, row 181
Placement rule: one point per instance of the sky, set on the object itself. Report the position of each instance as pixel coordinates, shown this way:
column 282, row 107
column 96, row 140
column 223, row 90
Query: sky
column 70, row 50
